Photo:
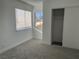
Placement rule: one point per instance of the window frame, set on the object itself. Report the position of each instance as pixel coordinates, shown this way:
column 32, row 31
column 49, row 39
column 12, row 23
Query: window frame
column 25, row 28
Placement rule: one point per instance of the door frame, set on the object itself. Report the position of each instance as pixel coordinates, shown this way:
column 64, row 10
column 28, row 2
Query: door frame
column 52, row 25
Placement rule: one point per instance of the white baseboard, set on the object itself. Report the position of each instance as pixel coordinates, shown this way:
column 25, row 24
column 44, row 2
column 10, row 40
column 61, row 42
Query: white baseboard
column 12, row 46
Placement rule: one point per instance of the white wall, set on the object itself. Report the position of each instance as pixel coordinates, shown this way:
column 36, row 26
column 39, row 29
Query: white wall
column 8, row 35
column 67, row 40
column 71, row 27
column 37, row 33
column 39, row 6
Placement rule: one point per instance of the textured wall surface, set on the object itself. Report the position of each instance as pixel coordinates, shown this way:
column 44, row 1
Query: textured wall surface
column 69, row 25
column 8, row 35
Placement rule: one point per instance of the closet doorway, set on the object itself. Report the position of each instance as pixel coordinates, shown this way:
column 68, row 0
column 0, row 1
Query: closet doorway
column 57, row 26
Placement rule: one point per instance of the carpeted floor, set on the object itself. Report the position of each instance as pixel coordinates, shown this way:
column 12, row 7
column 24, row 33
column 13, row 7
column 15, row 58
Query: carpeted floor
column 34, row 49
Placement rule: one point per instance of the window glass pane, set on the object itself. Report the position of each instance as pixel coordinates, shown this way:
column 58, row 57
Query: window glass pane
column 28, row 19
column 20, row 19
column 39, row 15
column 39, row 20
column 23, row 19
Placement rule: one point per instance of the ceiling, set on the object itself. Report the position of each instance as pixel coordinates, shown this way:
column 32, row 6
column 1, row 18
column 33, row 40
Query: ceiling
column 38, row 4
column 34, row 2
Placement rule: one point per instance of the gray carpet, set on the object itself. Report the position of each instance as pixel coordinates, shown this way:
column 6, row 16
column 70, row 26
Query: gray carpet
column 34, row 49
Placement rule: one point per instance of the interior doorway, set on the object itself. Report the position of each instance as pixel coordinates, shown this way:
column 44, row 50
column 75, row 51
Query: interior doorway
column 57, row 26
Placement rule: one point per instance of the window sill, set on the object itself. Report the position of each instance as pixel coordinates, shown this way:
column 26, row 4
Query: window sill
column 25, row 29
column 38, row 30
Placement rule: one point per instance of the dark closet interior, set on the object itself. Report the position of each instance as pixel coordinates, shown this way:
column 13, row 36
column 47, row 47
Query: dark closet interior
column 57, row 26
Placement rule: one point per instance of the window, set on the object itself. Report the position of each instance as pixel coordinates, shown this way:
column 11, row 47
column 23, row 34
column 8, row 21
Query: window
column 39, row 15
column 23, row 19
column 39, row 20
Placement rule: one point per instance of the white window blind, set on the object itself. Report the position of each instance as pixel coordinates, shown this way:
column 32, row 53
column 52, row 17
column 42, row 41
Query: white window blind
column 23, row 19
